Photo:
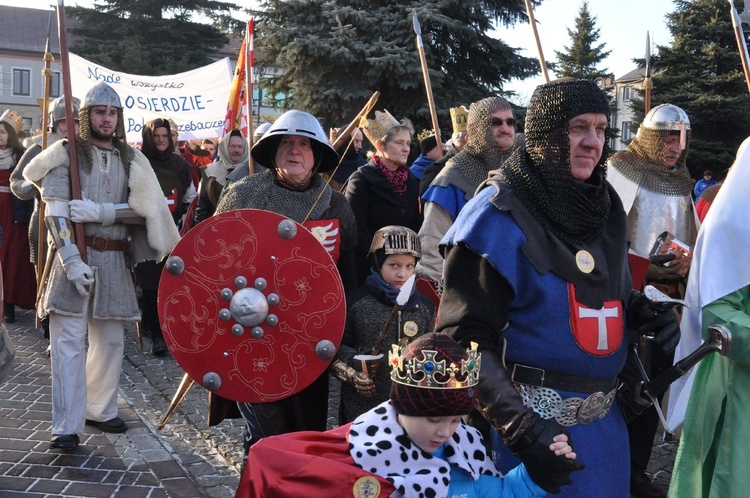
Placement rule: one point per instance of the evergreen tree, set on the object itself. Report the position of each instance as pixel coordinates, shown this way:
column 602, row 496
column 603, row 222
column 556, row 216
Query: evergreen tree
column 581, row 59
column 701, row 71
column 330, row 56
column 149, row 37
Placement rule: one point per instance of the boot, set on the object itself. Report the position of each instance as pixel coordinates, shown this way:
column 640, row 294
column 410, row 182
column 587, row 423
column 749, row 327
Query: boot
column 9, row 312
column 158, row 344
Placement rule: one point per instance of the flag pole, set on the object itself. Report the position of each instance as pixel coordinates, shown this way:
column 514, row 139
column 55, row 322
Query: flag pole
column 249, row 73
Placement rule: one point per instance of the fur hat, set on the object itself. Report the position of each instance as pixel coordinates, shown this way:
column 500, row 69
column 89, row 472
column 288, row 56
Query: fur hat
column 433, row 376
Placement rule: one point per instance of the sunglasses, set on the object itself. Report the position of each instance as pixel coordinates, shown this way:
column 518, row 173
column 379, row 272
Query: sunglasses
column 499, row 122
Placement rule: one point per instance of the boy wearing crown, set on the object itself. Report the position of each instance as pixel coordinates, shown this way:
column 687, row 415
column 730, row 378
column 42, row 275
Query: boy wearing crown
column 414, row 445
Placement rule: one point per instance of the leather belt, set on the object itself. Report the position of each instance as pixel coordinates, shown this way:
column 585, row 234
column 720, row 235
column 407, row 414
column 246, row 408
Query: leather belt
column 539, row 377
column 98, row 243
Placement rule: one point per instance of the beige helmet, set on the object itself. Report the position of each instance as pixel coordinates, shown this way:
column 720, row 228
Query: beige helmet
column 395, row 239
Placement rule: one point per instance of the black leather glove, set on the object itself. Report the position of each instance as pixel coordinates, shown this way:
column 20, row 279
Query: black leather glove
column 645, row 319
column 524, row 432
column 529, row 439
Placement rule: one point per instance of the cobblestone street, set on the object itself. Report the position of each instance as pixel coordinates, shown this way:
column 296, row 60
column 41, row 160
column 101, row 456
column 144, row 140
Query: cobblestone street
column 184, row 459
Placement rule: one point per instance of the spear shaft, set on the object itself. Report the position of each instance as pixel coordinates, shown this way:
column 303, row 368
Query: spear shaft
column 542, row 63
column 741, row 46
column 75, row 179
column 427, row 84
column 41, row 232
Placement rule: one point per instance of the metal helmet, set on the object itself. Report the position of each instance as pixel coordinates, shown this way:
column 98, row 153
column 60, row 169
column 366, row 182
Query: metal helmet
column 260, row 130
column 395, row 239
column 57, row 111
column 102, row 94
column 668, row 117
column 296, row 123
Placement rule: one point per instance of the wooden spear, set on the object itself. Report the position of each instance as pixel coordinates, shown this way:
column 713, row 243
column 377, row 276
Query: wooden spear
column 741, row 44
column 75, row 180
column 426, row 76
column 41, row 232
column 647, row 84
column 542, row 63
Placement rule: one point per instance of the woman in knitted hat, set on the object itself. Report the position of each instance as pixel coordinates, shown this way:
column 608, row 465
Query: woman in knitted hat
column 394, row 253
column 383, row 192
column 414, row 445
column 15, row 214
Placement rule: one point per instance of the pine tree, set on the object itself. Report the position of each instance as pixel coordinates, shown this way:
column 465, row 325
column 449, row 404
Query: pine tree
column 330, row 56
column 581, row 59
column 701, row 72
column 150, row 37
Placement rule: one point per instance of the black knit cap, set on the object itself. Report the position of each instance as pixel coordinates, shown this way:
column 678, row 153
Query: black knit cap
column 427, row 402
column 428, row 144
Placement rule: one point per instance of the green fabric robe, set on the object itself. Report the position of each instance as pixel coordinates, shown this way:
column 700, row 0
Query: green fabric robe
column 712, row 459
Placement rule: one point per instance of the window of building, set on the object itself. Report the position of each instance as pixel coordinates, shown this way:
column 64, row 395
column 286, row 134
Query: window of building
column 55, row 89
column 27, row 122
column 625, row 131
column 22, row 82
column 627, row 93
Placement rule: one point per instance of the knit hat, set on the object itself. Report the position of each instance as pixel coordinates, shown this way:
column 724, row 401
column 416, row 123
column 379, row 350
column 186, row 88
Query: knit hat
column 426, row 145
column 433, row 376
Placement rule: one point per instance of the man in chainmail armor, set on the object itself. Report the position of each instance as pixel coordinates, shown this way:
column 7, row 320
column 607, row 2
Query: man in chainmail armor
column 25, row 190
column 536, row 274
column 295, row 148
column 491, row 136
column 653, row 182
column 122, row 210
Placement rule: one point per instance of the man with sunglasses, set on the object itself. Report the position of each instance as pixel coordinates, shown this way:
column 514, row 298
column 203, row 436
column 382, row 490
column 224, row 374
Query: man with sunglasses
column 491, row 130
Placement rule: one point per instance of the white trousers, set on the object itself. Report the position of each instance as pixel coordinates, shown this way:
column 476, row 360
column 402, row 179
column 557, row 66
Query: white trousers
column 84, row 386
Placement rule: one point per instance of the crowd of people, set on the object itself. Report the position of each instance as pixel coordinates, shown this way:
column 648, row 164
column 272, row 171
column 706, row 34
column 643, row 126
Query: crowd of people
column 510, row 366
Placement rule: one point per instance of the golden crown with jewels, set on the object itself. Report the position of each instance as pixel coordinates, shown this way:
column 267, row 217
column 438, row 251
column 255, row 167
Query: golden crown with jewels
column 423, row 372
column 459, row 119
column 13, row 119
column 374, row 129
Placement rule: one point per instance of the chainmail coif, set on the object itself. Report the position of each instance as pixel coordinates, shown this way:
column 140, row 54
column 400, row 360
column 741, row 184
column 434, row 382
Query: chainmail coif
column 643, row 164
column 539, row 173
column 481, row 153
column 85, row 160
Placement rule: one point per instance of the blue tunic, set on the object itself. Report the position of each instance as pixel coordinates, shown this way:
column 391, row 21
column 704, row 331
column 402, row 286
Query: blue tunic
column 549, row 327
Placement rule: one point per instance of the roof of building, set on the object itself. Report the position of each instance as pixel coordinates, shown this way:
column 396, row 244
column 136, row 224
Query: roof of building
column 636, row 74
column 25, row 30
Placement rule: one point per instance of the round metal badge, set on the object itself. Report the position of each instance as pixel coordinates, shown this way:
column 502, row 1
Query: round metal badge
column 585, row 261
column 366, row 487
column 411, row 329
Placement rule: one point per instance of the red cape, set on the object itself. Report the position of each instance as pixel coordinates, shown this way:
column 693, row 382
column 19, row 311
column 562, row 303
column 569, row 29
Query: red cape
column 310, row 464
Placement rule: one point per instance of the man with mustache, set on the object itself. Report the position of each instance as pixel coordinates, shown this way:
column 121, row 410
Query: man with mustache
column 654, row 184
column 125, row 219
column 491, row 137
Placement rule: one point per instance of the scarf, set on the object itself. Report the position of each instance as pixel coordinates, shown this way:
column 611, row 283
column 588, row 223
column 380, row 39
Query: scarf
column 388, row 293
column 397, row 179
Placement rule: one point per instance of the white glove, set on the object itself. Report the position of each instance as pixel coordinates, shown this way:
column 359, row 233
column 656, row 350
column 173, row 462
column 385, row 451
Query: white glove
column 85, row 210
column 80, row 274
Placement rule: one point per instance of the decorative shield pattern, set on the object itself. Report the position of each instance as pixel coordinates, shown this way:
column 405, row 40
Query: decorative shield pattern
column 252, row 306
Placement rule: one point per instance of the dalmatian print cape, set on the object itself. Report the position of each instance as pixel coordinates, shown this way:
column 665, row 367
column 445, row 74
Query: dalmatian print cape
column 378, row 444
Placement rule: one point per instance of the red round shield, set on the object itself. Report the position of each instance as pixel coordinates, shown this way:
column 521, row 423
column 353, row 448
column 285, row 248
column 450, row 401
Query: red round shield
column 252, row 306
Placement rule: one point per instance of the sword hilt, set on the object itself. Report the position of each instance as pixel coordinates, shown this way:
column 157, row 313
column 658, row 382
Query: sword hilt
column 719, row 341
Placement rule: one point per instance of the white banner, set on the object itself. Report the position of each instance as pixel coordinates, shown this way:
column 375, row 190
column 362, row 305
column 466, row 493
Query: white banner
column 196, row 100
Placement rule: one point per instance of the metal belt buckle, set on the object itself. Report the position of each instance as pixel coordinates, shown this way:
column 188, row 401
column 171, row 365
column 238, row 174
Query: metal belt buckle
column 595, row 407
column 515, row 366
column 99, row 246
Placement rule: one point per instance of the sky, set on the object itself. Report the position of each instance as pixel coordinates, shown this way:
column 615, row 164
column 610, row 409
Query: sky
column 622, row 24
